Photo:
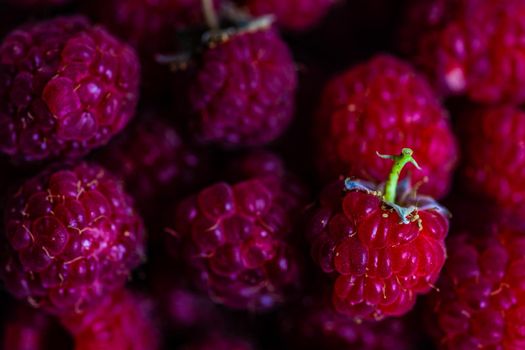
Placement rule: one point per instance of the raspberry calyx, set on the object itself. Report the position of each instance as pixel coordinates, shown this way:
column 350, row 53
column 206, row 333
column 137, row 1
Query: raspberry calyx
column 406, row 204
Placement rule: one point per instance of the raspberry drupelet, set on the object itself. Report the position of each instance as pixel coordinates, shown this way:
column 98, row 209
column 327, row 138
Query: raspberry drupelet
column 383, row 246
column 71, row 236
column 238, row 241
column 244, row 90
column 66, row 87
column 383, row 105
column 480, row 303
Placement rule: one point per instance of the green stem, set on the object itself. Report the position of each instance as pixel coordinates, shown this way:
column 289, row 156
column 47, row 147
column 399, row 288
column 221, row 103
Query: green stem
column 399, row 163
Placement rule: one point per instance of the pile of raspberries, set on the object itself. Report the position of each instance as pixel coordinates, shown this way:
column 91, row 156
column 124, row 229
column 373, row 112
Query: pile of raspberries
column 262, row 174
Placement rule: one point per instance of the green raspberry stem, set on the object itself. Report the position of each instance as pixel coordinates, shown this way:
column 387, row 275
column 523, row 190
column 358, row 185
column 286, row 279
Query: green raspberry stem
column 399, row 163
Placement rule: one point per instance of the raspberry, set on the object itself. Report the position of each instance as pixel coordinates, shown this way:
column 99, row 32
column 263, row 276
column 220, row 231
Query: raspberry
column 380, row 106
column 29, row 329
column 296, row 15
column 480, row 303
column 244, row 91
column 237, row 241
column 66, row 87
column 155, row 162
column 380, row 254
column 71, row 237
column 219, row 342
column 123, row 322
column 317, row 326
column 494, row 161
column 472, row 48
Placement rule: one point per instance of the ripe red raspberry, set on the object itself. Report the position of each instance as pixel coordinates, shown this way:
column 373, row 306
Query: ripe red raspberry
column 472, row 47
column 380, row 106
column 317, row 326
column 123, row 322
column 65, row 87
column 29, row 329
column 155, row 163
column 219, row 342
column 244, row 91
column 71, row 237
column 481, row 299
column 381, row 255
column 493, row 155
column 296, row 15
column 237, row 241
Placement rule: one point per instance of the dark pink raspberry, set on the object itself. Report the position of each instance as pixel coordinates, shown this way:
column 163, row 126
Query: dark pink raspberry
column 382, row 106
column 71, row 237
column 244, row 91
column 493, row 155
column 28, row 329
column 473, row 48
column 381, row 252
column 237, row 241
column 124, row 321
column 219, row 342
column 318, row 326
column 480, row 303
column 65, row 87
column 296, row 15
column 155, row 163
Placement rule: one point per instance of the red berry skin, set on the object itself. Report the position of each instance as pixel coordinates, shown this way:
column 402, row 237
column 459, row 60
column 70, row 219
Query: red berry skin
column 320, row 327
column 66, row 87
column 244, row 91
column 30, row 329
column 481, row 297
column 472, row 48
column 156, row 164
column 494, row 160
column 71, row 237
column 237, row 242
column 382, row 106
column 124, row 321
column 294, row 15
column 379, row 265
